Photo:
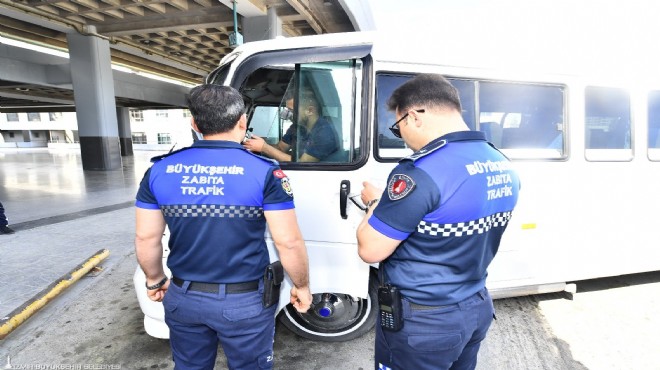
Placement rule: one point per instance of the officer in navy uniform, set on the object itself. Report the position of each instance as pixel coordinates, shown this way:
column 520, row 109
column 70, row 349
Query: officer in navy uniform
column 436, row 228
column 217, row 199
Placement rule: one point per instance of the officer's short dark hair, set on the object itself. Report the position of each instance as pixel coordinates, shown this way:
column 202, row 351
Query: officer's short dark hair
column 425, row 90
column 216, row 109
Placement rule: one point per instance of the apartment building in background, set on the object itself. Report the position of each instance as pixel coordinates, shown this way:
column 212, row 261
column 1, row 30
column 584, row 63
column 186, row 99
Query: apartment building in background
column 150, row 129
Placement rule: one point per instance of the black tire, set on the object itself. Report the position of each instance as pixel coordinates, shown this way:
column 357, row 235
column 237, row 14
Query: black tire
column 335, row 317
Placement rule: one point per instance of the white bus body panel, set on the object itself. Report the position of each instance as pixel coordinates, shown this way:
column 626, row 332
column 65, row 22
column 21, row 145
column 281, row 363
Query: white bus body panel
column 591, row 214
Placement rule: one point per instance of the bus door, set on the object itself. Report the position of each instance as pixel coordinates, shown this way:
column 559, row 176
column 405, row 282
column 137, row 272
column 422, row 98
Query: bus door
column 308, row 103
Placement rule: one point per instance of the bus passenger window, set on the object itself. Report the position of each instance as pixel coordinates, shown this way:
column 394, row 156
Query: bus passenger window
column 388, row 146
column 607, row 123
column 524, row 120
column 653, row 151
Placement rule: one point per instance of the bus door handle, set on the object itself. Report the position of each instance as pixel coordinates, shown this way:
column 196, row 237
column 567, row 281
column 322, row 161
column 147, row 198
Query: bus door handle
column 344, row 191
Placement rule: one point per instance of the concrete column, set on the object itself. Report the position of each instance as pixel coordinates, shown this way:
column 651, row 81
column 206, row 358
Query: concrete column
column 262, row 28
column 274, row 23
column 94, row 96
column 124, row 126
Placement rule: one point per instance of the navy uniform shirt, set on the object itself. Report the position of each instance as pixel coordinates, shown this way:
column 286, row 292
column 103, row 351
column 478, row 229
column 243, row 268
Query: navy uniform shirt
column 320, row 142
column 450, row 203
column 213, row 195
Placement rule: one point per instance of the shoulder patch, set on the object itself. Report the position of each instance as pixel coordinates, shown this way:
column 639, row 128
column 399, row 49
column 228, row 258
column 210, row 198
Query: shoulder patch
column 286, row 185
column 279, row 174
column 400, row 186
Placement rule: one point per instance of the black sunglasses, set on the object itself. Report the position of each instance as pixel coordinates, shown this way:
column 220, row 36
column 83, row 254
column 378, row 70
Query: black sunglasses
column 395, row 127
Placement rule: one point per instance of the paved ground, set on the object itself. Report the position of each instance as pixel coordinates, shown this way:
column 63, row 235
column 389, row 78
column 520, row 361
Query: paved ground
column 96, row 323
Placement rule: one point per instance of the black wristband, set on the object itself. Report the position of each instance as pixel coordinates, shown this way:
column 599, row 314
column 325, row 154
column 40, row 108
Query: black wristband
column 157, row 285
column 372, row 202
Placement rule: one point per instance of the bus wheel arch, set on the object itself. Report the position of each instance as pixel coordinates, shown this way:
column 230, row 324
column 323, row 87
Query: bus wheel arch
column 335, row 317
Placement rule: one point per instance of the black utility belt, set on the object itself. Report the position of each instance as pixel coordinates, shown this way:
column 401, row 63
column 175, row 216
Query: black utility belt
column 273, row 277
column 230, row 288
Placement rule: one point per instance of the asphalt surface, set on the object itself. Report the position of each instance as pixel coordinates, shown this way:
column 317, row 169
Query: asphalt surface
column 96, row 323
column 609, row 324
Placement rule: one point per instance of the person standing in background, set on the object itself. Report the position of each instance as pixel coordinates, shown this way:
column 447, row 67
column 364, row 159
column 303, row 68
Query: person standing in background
column 4, row 228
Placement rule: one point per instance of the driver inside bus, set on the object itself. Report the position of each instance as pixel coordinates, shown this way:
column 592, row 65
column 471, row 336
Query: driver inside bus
column 313, row 135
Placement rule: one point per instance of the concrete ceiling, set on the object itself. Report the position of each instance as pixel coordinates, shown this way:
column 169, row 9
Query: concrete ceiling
column 179, row 39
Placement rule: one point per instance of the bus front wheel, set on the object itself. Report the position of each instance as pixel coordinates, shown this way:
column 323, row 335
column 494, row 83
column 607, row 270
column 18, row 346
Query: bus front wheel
column 334, row 317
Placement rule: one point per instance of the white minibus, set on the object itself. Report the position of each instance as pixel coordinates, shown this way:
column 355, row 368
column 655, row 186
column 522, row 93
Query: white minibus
column 587, row 151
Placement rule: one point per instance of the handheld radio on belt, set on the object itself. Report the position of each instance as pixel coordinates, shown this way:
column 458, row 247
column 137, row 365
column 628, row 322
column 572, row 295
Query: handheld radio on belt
column 389, row 304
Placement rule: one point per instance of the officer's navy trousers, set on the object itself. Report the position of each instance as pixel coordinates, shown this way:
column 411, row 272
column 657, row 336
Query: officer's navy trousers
column 199, row 320
column 446, row 337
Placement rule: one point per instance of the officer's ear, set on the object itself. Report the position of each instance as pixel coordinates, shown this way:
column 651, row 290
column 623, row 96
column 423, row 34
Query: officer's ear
column 194, row 125
column 242, row 122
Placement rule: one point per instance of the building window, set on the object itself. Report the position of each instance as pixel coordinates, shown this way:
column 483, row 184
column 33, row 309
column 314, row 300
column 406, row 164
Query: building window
column 186, row 113
column 139, row 138
column 55, row 116
column 161, row 114
column 34, row 117
column 12, row 117
column 136, row 115
column 164, row 138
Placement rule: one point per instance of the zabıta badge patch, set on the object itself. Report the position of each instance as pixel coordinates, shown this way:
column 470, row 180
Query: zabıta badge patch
column 399, row 186
column 286, row 185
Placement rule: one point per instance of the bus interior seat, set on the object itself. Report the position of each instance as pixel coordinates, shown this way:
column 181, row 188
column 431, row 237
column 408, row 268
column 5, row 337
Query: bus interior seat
column 332, row 114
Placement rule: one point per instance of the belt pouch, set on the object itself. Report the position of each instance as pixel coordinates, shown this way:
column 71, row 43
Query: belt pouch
column 273, row 277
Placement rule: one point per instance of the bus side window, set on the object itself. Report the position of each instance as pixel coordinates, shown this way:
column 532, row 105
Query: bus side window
column 335, row 88
column 264, row 122
column 607, row 123
column 654, row 119
column 388, row 146
column 526, row 120
column 323, row 127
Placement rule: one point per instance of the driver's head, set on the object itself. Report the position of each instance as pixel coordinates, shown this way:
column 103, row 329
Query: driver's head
column 308, row 106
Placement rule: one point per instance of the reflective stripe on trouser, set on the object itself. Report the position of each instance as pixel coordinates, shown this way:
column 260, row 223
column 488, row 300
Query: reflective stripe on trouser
column 447, row 337
column 198, row 320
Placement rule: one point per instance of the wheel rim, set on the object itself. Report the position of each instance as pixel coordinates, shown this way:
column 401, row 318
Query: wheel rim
column 331, row 314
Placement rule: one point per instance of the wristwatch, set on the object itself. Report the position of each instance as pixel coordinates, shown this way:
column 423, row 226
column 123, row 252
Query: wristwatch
column 157, row 285
column 372, row 202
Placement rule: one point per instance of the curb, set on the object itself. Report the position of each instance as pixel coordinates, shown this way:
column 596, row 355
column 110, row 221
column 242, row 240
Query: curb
column 29, row 308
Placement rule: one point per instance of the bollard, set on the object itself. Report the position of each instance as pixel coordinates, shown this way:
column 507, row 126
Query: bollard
column 24, row 312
